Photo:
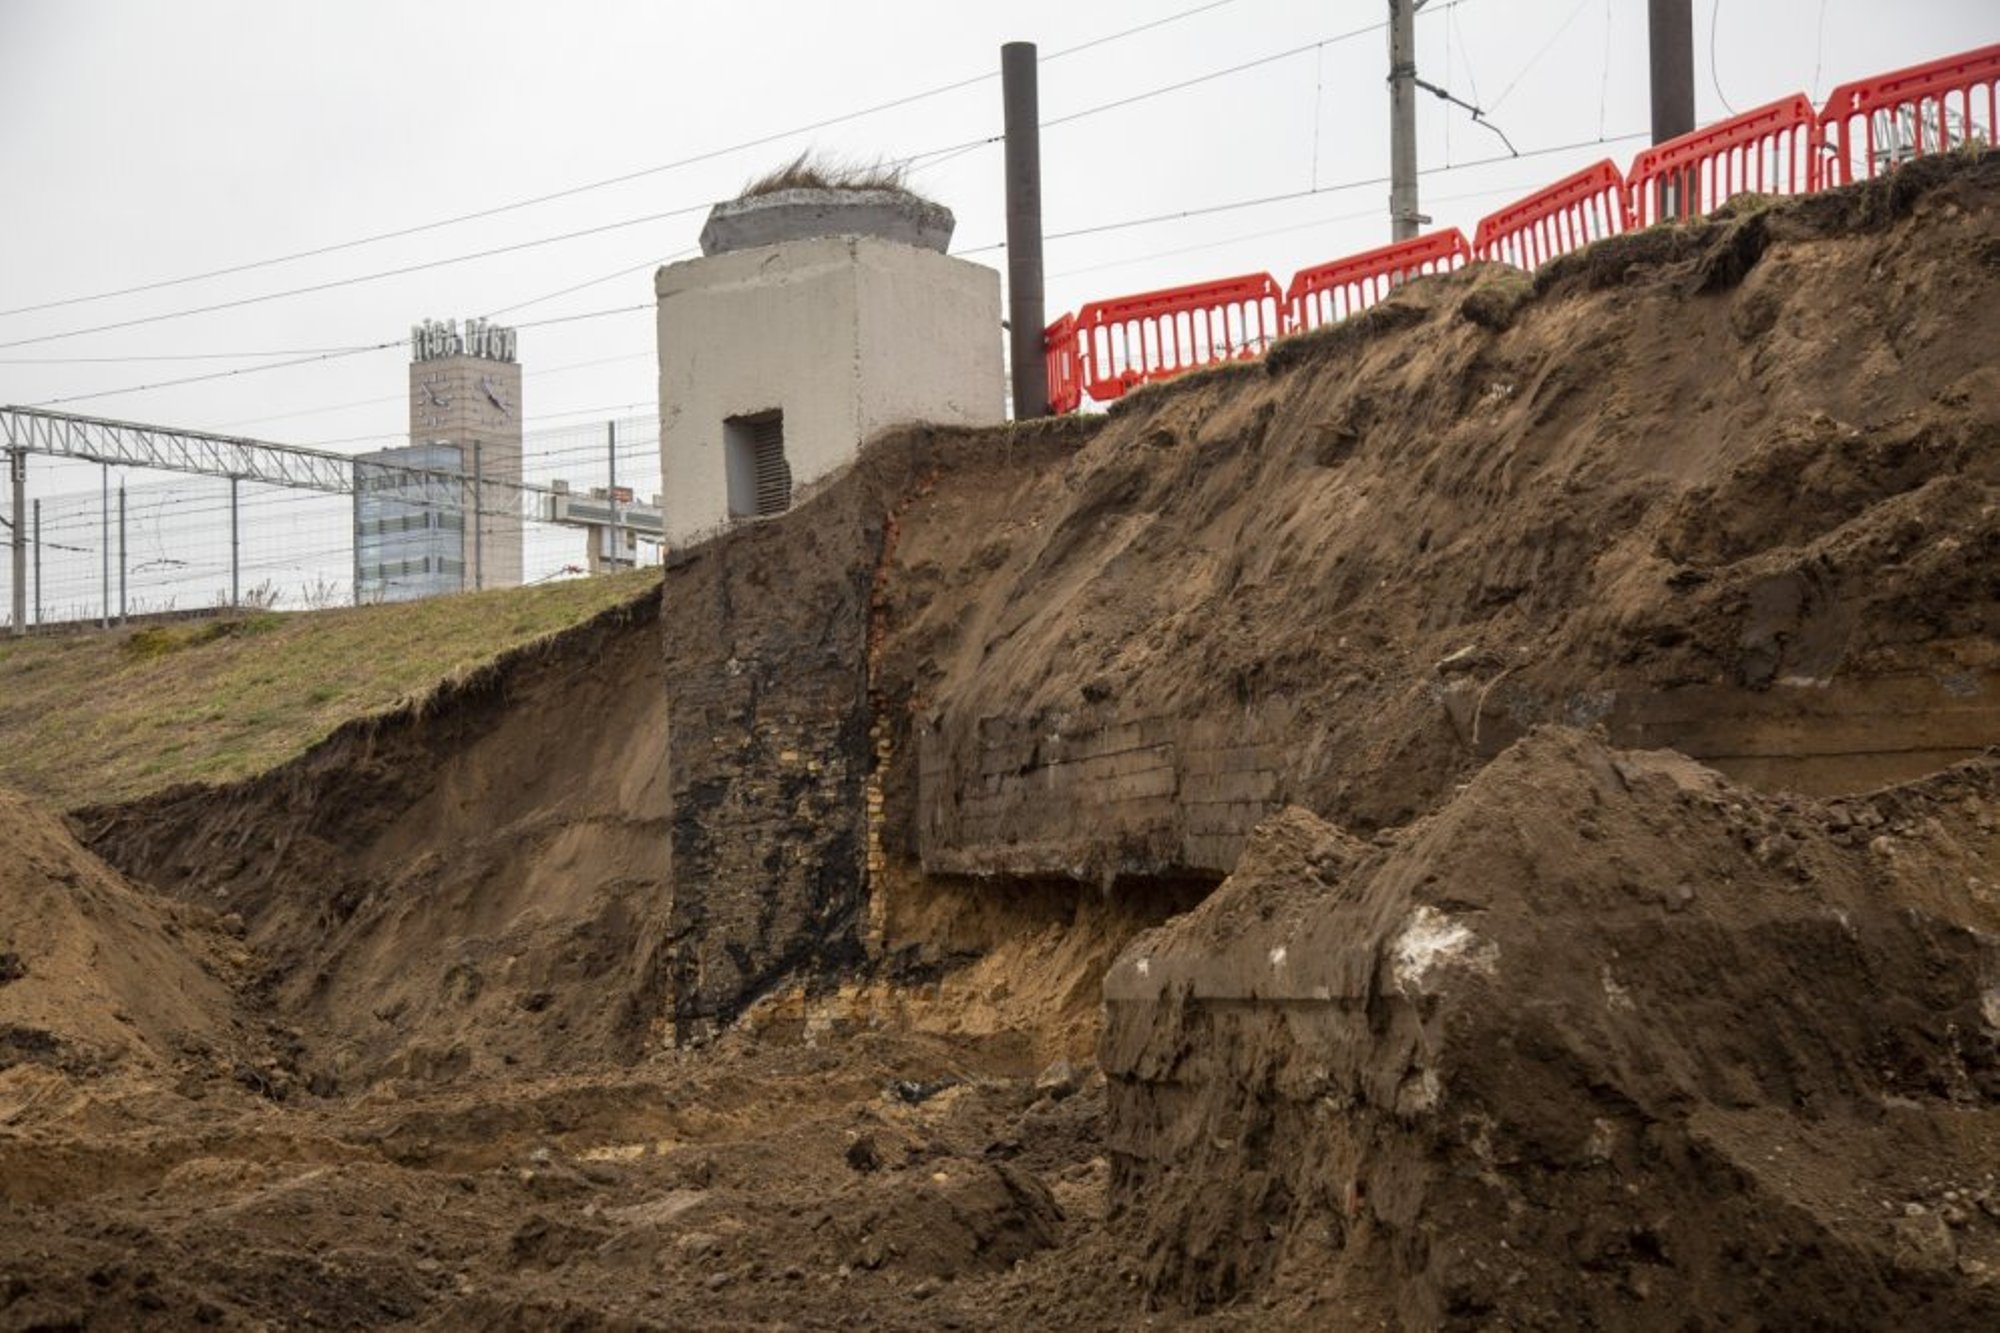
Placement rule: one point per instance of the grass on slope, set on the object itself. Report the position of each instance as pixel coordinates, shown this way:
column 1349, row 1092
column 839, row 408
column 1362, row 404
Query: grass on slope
column 112, row 715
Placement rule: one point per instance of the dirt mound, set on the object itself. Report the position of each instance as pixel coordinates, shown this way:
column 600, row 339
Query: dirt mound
column 97, row 973
column 1607, row 1041
column 1728, row 488
column 1568, row 1036
column 473, row 882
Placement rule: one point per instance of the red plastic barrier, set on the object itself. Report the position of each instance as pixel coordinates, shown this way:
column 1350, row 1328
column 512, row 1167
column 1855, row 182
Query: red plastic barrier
column 1771, row 150
column 1063, row 350
column 1872, row 124
column 1155, row 335
column 1345, row 287
column 1578, row 209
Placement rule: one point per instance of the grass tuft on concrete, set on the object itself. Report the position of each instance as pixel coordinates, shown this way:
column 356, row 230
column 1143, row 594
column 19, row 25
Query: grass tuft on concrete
column 112, row 715
column 816, row 171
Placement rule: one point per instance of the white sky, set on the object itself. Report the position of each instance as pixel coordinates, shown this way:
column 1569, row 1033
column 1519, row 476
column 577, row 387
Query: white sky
column 148, row 141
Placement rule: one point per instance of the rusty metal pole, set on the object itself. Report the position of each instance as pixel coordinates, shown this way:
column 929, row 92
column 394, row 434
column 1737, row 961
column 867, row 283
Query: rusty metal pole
column 1670, row 47
column 1670, row 43
column 1026, row 315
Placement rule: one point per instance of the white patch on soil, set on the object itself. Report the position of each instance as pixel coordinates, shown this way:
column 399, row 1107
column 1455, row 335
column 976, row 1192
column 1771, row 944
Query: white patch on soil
column 1615, row 995
column 1431, row 940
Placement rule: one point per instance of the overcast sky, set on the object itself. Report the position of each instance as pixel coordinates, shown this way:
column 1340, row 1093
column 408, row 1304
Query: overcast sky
column 146, row 142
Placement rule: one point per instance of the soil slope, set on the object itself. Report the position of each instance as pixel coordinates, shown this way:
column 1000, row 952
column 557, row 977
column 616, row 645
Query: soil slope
column 1589, row 1037
column 1605, row 1042
column 98, row 974
column 473, row 882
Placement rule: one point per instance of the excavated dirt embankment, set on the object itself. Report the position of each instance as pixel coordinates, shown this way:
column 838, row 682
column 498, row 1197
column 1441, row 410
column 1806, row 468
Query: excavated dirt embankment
column 1491, row 1023
column 1606, row 1041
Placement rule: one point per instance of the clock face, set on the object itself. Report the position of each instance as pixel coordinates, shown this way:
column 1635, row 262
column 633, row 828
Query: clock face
column 496, row 394
column 432, row 400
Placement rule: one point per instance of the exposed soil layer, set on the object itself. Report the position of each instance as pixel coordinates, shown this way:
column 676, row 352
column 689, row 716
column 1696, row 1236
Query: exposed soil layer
column 472, row 884
column 1606, row 1041
column 1490, row 1024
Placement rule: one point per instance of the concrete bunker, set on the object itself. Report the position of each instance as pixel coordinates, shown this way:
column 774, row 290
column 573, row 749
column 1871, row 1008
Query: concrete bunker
column 815, row 318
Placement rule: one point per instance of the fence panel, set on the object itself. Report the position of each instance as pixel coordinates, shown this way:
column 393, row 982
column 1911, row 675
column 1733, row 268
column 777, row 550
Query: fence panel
column 1871, row 124
column 1771, row 150
column 1333, row 291
column 1586, row 206
column 1065, row 382
column 1131, row 340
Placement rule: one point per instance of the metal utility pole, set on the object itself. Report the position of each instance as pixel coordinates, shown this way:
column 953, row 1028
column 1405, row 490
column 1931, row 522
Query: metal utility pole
column 1670, row 40
column 617, row 547
column 1027, row 316
column 38, row 564
column 478, row 518
column 17, row 469
column 235, row 550
column 104, row 533
column 121, row 552
column 357, row 532
column 1403, row 216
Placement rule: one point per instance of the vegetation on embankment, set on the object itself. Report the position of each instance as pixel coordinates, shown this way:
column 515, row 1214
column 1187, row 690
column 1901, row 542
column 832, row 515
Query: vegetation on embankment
column 102, row 716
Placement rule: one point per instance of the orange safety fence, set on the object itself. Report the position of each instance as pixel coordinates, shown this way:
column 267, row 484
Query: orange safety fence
column 1332, row 292
column 1872, row 124
column 1785, row 147
column 1065, row 380
column 1129, row 340
column 1578, row 209
column 1771, row 150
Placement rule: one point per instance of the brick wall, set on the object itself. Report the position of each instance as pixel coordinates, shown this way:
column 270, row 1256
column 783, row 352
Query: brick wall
column 768, row 758
column 1102, row 799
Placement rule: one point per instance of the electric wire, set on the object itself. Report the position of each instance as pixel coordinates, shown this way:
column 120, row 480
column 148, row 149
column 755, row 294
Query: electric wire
column 1714, row 74
column 329, row 356
column 571, row 191
column 1536, row 58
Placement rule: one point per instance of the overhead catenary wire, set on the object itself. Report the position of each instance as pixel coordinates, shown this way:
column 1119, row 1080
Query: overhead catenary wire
column 1536, row 58
column 403, row 270
column 708, row 155
column 1714, row 74
column 1264, row 200
column 281, row 365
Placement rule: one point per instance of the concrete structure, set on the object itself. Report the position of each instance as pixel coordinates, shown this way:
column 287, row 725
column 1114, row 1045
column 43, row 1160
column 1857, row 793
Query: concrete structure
column 613, row 520
column 802, row 215
column 465, row 391
column 778, row 360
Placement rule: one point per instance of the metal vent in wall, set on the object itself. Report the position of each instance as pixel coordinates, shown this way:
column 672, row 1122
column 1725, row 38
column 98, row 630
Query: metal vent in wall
column 774, row 474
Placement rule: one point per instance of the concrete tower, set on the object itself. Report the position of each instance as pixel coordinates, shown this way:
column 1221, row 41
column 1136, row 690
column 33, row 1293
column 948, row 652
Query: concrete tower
column 814, row 319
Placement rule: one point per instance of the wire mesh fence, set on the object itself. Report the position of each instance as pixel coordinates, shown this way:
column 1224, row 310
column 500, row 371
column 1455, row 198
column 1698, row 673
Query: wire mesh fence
column 145, row 543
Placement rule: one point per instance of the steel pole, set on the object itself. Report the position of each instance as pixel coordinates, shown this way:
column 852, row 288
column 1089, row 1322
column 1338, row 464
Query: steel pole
column 478, row 518
column 235, row 550
column 357, row 533
column 1026, row 313
column 1670, row 44
column 104, row 532
column 121, row 552
column 38, row 564
column 617, row 547
column 1403, row 215
column 17, row 469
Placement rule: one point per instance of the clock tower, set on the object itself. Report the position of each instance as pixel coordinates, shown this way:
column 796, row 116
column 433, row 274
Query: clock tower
column 465, row 392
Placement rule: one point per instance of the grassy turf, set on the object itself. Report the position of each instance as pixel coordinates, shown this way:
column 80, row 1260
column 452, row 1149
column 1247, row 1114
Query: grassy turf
column 112, row 715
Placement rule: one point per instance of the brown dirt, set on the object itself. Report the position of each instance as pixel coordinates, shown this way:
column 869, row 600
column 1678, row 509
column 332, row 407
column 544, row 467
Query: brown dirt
column 381, row 1036
column 1607, row 1041
column 97, row 973
column 468, row 885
